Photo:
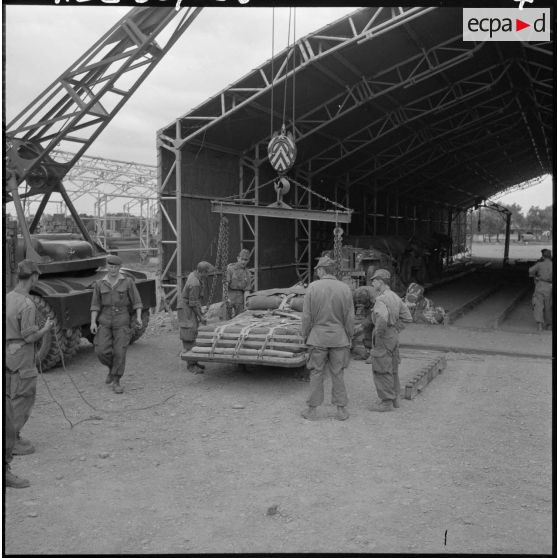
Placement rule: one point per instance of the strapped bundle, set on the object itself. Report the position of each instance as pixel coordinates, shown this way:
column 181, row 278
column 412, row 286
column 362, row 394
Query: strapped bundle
column 270, row 338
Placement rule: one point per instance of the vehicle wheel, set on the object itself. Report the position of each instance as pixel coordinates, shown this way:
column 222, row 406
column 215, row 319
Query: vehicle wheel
column 144, row 322
column 71, row 344
column 55, row 343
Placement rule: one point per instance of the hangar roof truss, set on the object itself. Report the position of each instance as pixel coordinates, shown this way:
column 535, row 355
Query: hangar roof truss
column 393, row 100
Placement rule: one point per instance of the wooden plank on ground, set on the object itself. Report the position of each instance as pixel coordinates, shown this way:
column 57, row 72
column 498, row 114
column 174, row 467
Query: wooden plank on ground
column 424, row 376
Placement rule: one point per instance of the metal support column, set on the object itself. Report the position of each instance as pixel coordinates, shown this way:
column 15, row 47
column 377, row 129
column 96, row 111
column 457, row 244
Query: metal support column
column 507, row 242
column 303, row 235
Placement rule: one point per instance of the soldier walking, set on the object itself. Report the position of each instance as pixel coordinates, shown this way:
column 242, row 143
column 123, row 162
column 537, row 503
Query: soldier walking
column 327, row 327
column 542, row 296
column 20, row 370
column 189, row 310
column 388, row 314
column 238, row 282
column 115, row 296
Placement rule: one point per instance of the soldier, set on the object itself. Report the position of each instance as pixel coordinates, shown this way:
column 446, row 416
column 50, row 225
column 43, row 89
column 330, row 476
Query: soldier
column 114, row 297
column 327, row 327
column 189, row 310
column 364, row 297
column 238, row 281
column 20, row 371
column 388, row 314
column 542, row 296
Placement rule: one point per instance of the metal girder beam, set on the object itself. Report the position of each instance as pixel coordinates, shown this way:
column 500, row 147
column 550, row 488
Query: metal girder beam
column 406, row 73
column 311, row 49
column 435, row 102
column 332, row 216
column 451, row 164
column 522, row 186
column 426, row 136
column 440, row 151
column 108, row 177
column 83, row 100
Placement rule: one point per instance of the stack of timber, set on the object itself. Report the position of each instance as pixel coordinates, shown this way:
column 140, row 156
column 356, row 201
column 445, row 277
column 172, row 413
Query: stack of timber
column 268, row 338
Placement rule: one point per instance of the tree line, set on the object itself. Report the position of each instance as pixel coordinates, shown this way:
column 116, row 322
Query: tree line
column 537, row 221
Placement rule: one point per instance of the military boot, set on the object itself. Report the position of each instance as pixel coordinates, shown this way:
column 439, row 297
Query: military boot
column 382, row 406
column 109, row 379
column 342, row 413
column 116, row 387
column 23, row 446
column 310, row 413
column 396, row 402
column 13, row 481
column 194, row 368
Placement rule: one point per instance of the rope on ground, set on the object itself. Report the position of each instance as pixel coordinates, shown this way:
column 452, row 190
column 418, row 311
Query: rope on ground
column 116, row 411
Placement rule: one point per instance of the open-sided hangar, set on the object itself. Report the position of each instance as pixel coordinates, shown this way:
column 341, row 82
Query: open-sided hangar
column 394, row 116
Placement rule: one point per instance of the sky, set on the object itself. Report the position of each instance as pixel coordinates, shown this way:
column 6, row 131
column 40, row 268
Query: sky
column 222, row 45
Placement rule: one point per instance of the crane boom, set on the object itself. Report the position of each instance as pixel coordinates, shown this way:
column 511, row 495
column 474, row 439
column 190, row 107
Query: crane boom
column 74, row 110
column 78, row 106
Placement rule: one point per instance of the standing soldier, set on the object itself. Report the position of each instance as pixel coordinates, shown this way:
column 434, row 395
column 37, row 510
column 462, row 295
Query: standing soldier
column 238, row 282
column 189, row 310
column 115, row 296
column 327, row 327
column 388, row 314
column 542, row 297
column 20, row 370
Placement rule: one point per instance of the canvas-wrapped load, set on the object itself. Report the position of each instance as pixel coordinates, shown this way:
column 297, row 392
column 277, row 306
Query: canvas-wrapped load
column 272, row 299
column 270, row 335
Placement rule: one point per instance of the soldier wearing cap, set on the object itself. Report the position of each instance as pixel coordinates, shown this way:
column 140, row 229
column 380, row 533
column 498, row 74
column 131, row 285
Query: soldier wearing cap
column 189, row 310
column 388, row 314
column 238, row 281
column 327, row 327
column 22, row 332
column 115, row 298
column 542, row 296
column 364, row 297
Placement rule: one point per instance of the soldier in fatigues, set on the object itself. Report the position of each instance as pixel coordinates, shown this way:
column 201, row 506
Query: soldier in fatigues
column 542, row 297
column 20, row 371
column 388, row 314
column 115, row 296
column 189, row 310
column 238, row 281
column 327, row 326
column 364, row 297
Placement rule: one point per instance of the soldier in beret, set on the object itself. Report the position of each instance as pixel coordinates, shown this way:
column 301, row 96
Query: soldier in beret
column 115, row 297
column 327, row 326
column 20, row 371
column 388, row 315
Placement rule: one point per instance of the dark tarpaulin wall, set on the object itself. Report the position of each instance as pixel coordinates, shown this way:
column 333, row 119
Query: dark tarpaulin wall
column 210, row 175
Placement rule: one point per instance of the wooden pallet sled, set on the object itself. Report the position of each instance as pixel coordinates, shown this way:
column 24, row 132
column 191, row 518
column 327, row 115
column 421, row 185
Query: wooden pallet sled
column 267, row 338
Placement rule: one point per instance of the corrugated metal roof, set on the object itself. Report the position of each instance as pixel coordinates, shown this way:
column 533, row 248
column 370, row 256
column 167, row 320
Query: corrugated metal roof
column 392, row 99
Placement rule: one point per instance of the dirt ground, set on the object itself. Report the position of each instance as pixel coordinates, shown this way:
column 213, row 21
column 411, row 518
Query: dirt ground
column 223, row 462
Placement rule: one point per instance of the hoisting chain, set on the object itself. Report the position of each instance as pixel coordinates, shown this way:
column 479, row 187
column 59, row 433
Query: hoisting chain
column 221, row 258
column 337, row 250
